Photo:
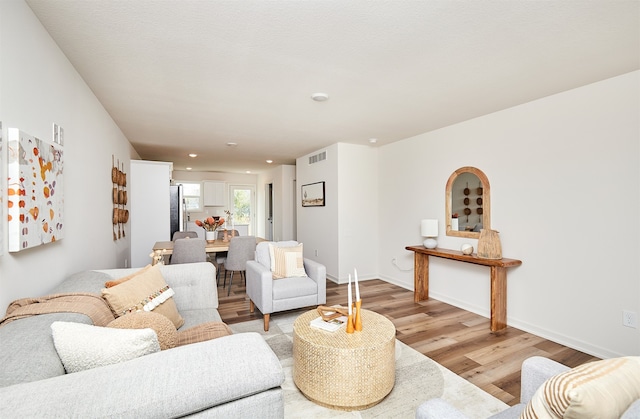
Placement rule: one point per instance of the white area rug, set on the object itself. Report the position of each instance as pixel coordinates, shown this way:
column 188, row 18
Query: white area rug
column 418, row 379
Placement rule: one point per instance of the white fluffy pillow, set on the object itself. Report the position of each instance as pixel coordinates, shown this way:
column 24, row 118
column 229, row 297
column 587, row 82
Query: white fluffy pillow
column 82, row 346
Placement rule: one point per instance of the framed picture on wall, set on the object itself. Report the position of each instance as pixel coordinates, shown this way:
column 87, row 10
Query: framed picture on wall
column 313, row 195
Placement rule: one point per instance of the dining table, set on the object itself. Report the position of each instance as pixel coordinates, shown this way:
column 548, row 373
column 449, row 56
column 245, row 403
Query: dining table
column 165, row 248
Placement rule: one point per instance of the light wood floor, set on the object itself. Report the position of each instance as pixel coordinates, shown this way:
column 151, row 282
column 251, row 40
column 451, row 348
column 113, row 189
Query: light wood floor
column 457, row 339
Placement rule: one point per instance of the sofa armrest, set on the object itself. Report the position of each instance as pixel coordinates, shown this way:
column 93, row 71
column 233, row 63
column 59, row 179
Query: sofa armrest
column 171, row 383
column 260, row 286
column 535, row 371
column 317, row 272
column 633, row 411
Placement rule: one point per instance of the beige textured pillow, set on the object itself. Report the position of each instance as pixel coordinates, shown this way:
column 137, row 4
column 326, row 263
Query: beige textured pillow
column 115, row 282
column 203, row 332
column 164, row 328
column 601, row 389
column 146, row 291
column 288, row 262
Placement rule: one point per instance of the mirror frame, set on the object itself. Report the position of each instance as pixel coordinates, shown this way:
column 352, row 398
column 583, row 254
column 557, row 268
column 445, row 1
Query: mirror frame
column 486, row 202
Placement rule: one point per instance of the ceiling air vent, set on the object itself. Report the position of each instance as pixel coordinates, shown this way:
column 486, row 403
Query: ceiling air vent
column 318, row 157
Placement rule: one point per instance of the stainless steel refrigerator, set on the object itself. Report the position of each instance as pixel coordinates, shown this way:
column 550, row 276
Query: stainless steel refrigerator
column 178, row 210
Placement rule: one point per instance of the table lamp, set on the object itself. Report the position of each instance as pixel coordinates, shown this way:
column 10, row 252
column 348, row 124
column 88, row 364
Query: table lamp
column 429, row 229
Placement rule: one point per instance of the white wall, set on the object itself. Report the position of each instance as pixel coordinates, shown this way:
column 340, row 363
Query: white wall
column 345, row 231
column 565, row 196
column 358, row 219
column 39, row 87
column 317, row 226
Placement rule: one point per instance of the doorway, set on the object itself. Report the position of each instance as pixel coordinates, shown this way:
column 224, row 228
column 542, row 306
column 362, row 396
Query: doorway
column 268, row 205
column 243, row 207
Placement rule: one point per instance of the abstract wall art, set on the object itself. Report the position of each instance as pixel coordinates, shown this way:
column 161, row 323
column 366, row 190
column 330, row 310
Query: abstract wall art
column 35, row 191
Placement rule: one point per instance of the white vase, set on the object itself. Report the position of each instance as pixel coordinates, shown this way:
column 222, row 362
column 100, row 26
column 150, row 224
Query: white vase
column 210, row 235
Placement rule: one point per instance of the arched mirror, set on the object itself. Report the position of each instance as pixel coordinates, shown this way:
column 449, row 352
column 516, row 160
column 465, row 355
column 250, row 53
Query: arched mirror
column 468, row 203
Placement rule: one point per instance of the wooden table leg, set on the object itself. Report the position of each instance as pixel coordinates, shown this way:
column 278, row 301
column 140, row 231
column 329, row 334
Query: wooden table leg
column 420, row 277
column 498, row 298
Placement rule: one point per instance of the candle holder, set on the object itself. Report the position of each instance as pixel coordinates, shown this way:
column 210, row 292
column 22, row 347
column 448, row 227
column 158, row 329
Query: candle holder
column 357, row 323
column 350, row 324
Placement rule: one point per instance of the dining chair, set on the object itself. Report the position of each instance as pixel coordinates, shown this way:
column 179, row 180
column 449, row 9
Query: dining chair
column 241, row 250
column 188, row 251
column 184, row 234
column 221, row 257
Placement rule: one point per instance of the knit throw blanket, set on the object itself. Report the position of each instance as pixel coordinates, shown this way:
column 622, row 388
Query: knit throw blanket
column 91, row 305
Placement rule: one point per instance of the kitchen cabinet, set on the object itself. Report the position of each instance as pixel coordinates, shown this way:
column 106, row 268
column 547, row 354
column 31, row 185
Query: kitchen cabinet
column 214, row 194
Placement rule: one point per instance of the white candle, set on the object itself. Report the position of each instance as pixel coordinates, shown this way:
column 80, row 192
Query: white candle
column 357, row 286
column 349, row 294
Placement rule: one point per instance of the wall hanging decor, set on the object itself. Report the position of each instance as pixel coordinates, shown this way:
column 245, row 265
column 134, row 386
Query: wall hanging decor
column 313, row 195
column 119, row 197
column 35, row 191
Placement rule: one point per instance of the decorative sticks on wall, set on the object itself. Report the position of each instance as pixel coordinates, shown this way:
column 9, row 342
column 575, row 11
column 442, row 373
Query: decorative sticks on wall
column 119, row 198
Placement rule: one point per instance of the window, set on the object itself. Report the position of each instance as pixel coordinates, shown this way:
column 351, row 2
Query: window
column 192, row 194
column 243, row 208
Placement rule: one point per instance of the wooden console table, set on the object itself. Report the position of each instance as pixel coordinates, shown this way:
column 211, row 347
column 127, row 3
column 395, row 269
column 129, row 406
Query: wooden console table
column 498, row 278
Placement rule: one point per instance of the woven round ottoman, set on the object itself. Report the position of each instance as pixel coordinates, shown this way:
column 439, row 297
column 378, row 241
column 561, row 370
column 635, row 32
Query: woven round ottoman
column 344, row 371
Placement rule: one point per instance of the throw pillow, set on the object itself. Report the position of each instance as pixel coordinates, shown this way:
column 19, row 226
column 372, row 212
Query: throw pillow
column 601, row 389
column 202, row 332
column 115, row 282
column 83, row 346
column 288, row 262
column 146, row 291
column 164, row 328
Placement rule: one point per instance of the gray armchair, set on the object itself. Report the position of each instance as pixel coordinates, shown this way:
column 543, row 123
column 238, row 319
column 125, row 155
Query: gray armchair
column 271, row 296
column 535, row 371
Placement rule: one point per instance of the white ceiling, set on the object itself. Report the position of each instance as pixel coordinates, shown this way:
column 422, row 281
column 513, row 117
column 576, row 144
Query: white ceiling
column 183, row 76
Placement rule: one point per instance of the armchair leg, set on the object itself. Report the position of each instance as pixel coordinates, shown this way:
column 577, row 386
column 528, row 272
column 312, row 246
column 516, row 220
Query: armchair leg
column 266, row 322
column 252, row 306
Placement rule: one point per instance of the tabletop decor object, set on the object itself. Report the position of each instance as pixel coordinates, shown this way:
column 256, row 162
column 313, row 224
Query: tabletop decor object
column 357, row 321
column 329, row 313
column 489, row 246
column 350, row 309
column 157, row 256
column 210, row 225
column 429, row 229
column 466, row 249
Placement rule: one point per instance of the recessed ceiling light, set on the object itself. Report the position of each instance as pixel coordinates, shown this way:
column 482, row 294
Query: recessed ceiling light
column 188, row 168
column 248, row 171
column 193, row 155
column 373, row 140
column 230, row 144
column 320, row 97
column 269, row 161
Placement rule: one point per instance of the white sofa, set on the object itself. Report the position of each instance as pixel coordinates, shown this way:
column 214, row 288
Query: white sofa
column 233, row 376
